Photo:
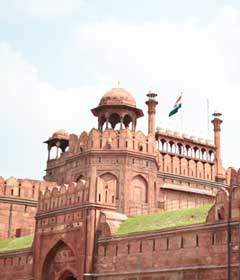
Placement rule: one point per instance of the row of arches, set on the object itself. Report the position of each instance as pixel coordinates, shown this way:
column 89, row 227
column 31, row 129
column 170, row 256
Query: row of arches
column 116, row 121
column 185, row 150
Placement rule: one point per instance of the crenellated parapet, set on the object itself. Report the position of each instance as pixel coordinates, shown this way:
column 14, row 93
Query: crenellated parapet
column 233, row 177
column 26, row 189
column 108, row 140
column 63, row 196
column 18, row 205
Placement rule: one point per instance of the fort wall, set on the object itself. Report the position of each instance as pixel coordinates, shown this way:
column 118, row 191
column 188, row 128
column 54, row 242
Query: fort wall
column 16, row 265
column 18, row 206
column 193, row 252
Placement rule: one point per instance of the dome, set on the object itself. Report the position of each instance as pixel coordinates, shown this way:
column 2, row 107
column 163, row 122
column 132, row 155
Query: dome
column 118, row 96
column 61, row 134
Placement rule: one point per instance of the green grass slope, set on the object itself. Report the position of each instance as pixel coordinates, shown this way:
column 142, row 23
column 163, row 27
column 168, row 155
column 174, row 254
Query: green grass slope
column 16, row 243
column 169, row 219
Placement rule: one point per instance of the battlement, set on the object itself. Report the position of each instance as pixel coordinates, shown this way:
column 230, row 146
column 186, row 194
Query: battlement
column 18, row 205
column 233, row 176
column 63, row 196
column 26, row 189
column 109, row 139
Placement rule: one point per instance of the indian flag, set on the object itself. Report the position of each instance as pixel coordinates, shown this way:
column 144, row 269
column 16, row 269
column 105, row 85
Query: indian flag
column 177, row 106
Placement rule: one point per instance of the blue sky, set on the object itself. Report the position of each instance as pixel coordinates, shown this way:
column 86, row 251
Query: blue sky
column 58, row 57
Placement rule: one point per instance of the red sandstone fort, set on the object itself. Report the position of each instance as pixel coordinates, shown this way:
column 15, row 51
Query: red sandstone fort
column 96, row 180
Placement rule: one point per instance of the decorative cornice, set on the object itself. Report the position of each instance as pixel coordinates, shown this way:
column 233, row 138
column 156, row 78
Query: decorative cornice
column 72, row 208
column 168, row 231
column 141, row 155
column 12, row 253
column 20, row 201
column 214, row 184
column 150, row 271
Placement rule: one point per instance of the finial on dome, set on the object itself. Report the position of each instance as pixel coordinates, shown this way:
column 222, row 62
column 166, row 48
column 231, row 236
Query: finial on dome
column 118, row 84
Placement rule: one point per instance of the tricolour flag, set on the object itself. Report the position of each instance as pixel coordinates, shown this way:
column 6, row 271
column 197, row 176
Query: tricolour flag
column 177, row 106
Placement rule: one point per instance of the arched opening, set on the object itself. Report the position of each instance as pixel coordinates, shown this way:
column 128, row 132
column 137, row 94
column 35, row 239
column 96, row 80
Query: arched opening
column 203, row 154
column 68, row 275
column 179, row 149
column 54, row 152
column 211, row 156
column 102, row 121
column 172, row 148
column 188, row 151
column 80, row 178
column 107, row 189
column 164, row 145
column 114, row 120
column 58, row 258
column 196, row 152
column 127, row 120
column 138, row 196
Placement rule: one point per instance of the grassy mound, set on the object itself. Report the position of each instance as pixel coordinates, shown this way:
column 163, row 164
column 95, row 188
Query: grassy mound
column 169, row 219
column 16, row 243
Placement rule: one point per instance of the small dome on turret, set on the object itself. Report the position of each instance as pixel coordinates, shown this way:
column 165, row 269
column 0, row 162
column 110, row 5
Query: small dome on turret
column 118, row 96
column 60, row 134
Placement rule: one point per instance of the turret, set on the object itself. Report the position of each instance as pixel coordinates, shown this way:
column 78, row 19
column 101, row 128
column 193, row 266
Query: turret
column 151, row 103
column 60, row 140
column 220, row 176
column 117, row 107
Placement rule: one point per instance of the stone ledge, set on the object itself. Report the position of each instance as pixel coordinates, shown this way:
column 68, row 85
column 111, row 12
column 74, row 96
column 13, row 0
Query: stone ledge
column 150, row 271
column 20, row 201
column 214, row 184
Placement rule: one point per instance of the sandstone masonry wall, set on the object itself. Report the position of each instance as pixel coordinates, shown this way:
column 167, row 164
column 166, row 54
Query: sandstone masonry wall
column 18, row 205
column 16, row 265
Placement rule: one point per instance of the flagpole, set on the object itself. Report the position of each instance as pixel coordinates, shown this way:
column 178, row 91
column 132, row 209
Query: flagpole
column 181, row 117
column 208, row 118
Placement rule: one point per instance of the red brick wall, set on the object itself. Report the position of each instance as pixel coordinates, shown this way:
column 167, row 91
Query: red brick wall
column 18, row 205
column 203, row 246
column 19, row 216
column 176, row 199
column 16, row 265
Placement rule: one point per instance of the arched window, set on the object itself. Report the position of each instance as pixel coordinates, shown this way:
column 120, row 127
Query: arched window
column 179, row 149
column 164, row 145
column 203, row 154
column 127, row 120
column 114, row 120
column 196, row 152
column 188, row 151
column 171, row 147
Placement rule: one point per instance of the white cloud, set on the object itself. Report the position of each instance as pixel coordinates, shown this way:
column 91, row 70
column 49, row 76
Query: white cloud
column 38, row 9
column 201, row 60
column 31, row 110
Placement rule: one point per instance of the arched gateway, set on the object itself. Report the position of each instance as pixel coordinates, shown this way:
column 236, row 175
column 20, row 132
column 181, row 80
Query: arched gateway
column 67, row 275
column 59, row 263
